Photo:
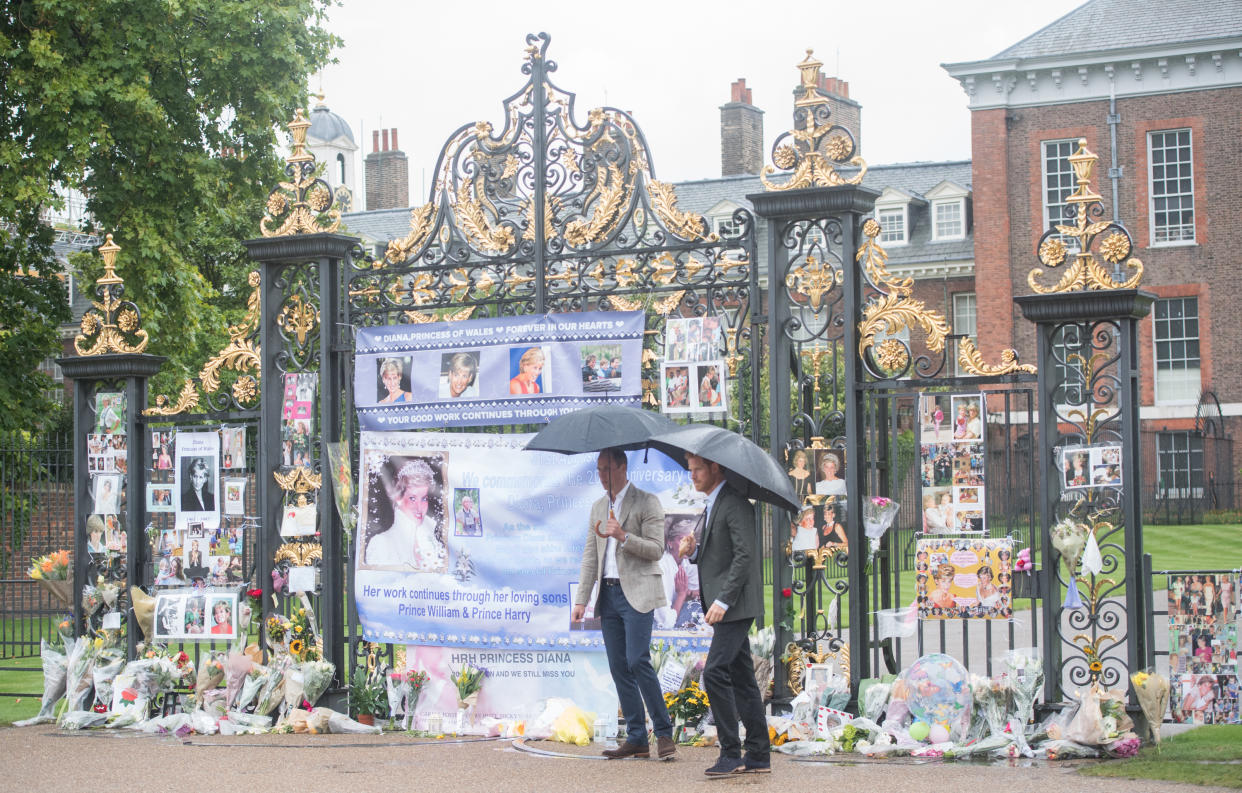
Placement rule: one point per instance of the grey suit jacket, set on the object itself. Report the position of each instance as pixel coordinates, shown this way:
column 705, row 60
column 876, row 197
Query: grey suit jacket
column 729, row 558
column 638, row 561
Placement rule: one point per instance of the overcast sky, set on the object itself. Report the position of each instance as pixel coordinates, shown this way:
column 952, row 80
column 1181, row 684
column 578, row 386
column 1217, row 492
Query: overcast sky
column 427, row 68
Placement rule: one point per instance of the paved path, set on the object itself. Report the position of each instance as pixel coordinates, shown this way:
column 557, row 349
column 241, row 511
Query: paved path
column 37, row 759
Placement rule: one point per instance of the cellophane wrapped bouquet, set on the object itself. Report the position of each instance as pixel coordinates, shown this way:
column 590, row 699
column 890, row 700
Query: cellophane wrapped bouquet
column 1152, row 691
column 1069, row 538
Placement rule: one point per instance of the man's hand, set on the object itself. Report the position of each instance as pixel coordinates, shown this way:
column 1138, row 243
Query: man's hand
column 613, row 528
column 714, row 614
column 686, row 547
column 579, row 611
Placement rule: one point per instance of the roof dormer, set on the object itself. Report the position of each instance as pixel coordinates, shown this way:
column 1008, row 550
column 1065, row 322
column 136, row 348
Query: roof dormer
column 950, row 205
column 892, row 210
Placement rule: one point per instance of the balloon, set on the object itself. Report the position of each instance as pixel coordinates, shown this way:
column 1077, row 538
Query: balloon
column 919, row 730
column 939, row 695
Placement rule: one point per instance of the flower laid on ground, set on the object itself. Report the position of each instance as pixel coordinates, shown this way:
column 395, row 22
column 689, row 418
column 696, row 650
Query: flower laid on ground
column 1152, row 691
column 50, row 567
column 689, row 704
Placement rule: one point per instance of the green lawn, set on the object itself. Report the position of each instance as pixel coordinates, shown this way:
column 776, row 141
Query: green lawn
column 17, row 708
column 1202, row 756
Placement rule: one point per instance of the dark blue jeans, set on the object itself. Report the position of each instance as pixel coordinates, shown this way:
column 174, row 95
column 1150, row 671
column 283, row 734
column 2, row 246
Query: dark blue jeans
column 627, row 638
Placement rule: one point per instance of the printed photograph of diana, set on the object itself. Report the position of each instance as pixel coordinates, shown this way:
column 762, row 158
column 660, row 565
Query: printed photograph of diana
column 406, row 516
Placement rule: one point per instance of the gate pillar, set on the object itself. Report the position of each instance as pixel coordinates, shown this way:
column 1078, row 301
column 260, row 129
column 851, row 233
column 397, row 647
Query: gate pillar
column 811, row 236
column 1089, row 394
column 109, row 360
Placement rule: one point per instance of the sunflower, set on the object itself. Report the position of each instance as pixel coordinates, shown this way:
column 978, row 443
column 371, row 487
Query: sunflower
column 296, row 647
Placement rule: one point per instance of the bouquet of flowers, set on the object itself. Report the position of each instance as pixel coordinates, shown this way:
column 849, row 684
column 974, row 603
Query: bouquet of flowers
column 78, row 680
column 689, row 705
column 398, row 692
column 1152, row 691
column 107, row 666
column 272, row 693
column 991, row 699
column 469, row 681
column 251, row 686
column 54, row 573
column 1069, row 538
column 236, row 671
column 54, row 668
column 316, row 677
column 415, row 681
column 878, row 514
column 210, row 675
column 1025, row 671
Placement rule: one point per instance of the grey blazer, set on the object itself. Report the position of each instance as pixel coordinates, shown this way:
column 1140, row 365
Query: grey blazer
column 729, row 558
column 638, row 559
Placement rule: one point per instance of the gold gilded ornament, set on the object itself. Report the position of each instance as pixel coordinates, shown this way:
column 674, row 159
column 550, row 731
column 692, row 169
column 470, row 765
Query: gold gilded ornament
column 295, row 207
column 1085, row 271
column 112, row 321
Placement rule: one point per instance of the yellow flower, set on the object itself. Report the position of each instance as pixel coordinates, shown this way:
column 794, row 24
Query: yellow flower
column 297, row 628
column 295, row 647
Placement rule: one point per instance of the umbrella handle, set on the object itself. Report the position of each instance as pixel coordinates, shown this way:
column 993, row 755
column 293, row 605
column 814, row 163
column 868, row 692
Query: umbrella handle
column 596, row 527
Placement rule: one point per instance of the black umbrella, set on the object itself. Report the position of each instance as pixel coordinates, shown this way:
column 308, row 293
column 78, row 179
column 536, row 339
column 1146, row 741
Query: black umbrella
column 598, row 427
column 748, row 468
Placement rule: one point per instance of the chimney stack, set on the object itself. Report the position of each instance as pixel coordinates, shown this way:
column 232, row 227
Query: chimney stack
column 741, row 133
column 388, row 173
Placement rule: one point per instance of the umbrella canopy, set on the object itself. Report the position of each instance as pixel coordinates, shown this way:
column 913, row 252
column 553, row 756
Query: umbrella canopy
column 748, row 468
column 600, row 427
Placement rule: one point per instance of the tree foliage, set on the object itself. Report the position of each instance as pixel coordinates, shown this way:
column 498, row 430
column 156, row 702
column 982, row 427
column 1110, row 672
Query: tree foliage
column 165, row 113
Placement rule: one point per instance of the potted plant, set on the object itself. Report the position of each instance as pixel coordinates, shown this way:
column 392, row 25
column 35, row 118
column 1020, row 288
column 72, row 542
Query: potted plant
column 368, row 697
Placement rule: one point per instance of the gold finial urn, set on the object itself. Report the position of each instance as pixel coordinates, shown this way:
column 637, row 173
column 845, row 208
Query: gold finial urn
column 112, row 325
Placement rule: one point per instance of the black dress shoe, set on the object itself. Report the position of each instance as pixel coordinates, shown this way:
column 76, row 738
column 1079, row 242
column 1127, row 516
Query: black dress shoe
column 627, row 749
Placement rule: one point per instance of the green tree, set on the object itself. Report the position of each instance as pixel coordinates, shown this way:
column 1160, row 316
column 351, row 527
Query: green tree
column 165, row 114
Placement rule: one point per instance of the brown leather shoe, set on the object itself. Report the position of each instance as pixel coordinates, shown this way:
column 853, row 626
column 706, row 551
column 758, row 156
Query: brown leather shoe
column 665, row 748
column 627, row 749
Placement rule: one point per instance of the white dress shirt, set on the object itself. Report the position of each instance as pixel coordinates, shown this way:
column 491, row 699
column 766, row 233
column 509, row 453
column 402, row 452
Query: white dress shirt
column 610, row 549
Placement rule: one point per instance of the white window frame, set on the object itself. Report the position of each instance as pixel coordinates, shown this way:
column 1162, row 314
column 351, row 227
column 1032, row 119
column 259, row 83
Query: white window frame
column 959, row 300
column 1066, row 188
column 1192, row 488
column 936, row 206
column 724, row 226
column 1189, row 195
column 904, row 210
column 1184, row 359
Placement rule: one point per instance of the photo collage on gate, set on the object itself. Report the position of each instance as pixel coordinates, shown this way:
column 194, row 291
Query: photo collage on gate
column 1203, row 648
column 200, row 508
column 952, row 463
column 693, row 377
column 967, row 578
column 106, row 462
column 818, row 477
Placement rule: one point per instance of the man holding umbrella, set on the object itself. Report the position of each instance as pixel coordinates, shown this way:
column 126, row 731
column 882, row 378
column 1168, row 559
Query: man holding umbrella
column 624, row 544
column 731, row 583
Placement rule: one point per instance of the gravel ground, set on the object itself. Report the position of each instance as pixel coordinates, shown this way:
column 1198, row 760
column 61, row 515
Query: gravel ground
column 36, row 759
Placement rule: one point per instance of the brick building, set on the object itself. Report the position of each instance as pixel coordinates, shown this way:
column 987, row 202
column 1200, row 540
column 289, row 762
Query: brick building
column 1156, row 91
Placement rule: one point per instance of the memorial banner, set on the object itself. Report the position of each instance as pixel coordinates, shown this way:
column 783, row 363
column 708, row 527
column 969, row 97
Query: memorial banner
column 508, row 370
column 469, row 540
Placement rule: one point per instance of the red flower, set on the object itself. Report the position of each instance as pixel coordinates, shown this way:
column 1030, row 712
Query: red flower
column 787, row 592
column 254, row 593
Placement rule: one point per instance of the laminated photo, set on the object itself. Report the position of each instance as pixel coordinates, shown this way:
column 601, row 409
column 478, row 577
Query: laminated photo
column 235, row 496
column 198, row 477
column 1083, row 467
column 233, row 443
